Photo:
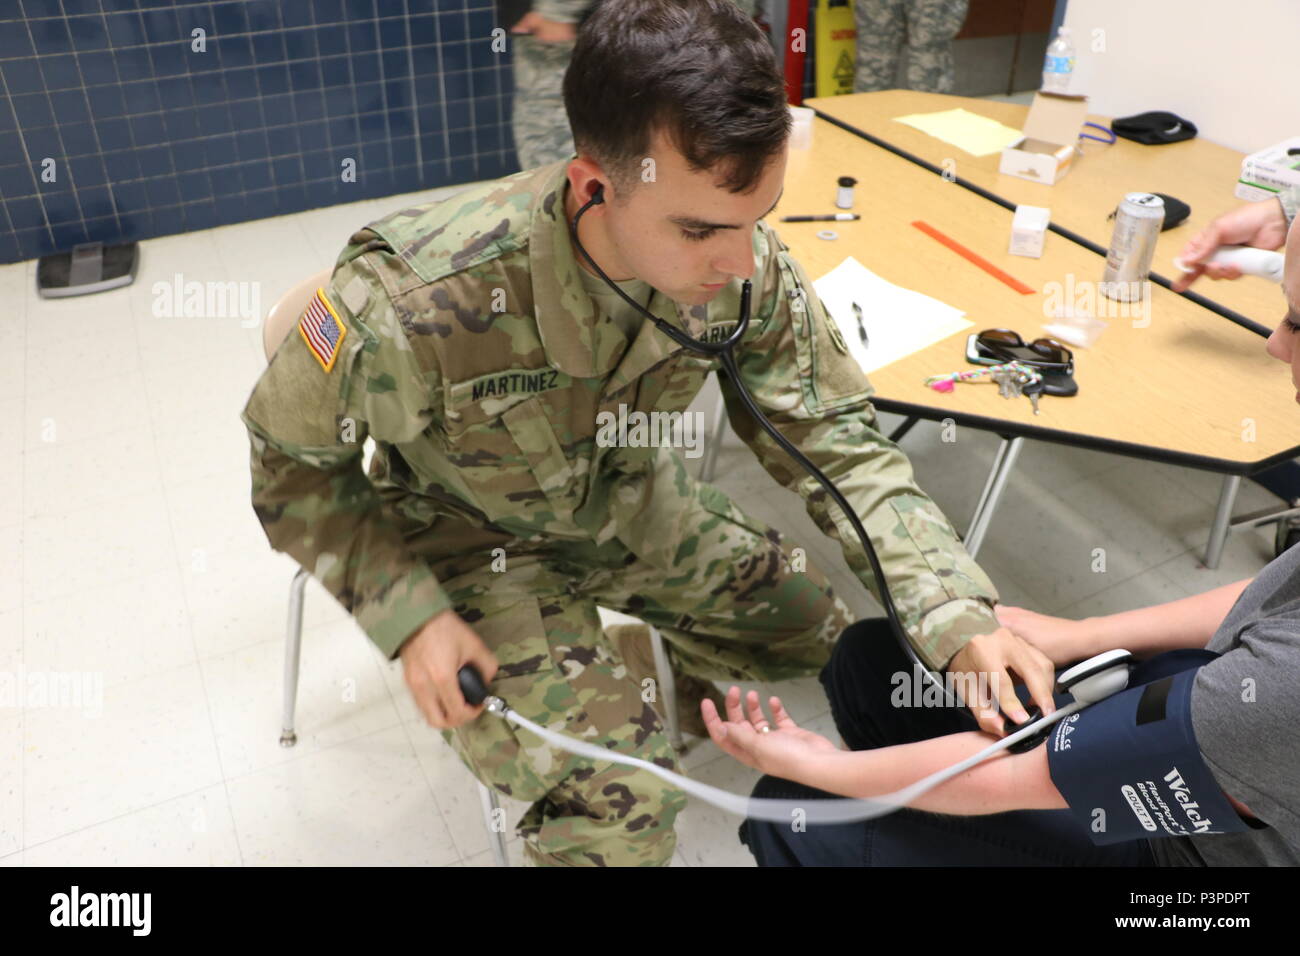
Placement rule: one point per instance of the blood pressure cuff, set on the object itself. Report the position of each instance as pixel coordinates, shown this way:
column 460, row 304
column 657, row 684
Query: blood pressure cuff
column 1129, row 767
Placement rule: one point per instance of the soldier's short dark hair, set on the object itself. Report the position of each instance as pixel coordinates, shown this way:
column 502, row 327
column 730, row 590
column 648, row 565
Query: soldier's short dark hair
column 701, row 71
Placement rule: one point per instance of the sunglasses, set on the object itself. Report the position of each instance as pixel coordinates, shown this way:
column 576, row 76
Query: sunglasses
column 1006, row 344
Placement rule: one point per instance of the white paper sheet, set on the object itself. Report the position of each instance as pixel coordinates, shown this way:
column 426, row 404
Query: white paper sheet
column 898, row 321
column 977, row 135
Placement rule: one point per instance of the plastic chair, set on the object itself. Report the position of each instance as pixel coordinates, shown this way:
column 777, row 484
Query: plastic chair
column 284, row 313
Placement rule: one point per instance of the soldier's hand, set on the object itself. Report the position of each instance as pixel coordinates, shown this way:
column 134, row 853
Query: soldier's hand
column 998, row 655
column 431, row 661
column 1258, row 224
column 545, row 31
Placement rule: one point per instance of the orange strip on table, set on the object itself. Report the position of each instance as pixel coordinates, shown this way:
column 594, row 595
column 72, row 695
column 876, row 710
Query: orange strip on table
column 980, row 261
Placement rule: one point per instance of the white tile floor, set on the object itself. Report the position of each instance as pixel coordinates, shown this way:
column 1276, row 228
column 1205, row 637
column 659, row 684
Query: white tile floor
column 129, row 551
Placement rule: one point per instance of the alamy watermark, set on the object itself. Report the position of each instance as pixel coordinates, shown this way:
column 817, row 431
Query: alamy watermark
column 61, row 690
column 128, row 910
column 637, row 429
column 178, row 298
column 915, row 689
column 1127, row 300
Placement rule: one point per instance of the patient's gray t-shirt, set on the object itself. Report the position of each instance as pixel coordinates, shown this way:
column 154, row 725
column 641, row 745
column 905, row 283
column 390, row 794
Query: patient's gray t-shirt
column 1246, row 714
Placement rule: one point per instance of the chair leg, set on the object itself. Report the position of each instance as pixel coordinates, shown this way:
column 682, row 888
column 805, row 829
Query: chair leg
column 292, row 647
column 497, row 837
column 667, row 688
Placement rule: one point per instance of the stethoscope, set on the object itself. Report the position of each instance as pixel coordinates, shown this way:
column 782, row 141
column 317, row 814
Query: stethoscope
column 1088, row 682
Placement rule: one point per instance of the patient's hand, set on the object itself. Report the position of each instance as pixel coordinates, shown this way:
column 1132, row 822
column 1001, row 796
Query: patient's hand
column 1061, row 639
column 782, row 752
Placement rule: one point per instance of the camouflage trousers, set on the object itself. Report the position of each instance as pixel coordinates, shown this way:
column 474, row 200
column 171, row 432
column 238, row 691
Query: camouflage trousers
column 927, row 27
column 734, row 607
column 539, row 121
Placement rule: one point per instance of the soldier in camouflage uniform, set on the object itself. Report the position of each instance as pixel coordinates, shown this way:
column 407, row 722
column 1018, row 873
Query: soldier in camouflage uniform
column 927, row 27
column 540, row 126
column 465, row 339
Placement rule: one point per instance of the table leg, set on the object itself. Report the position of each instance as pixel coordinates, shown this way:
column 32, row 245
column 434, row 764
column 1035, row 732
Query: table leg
column 1222, row 516
column 1005, row 460
column 897, row 434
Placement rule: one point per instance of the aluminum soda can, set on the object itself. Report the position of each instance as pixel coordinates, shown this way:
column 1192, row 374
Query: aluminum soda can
column 1132, row 246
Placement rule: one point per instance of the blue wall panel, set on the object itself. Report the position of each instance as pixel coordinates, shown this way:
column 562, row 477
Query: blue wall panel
column 151, row 137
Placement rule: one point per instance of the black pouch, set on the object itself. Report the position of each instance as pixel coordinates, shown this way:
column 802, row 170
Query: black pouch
column 1176, row 211
column 1154, row 128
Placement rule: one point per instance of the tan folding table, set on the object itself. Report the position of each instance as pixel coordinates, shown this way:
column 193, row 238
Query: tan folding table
column 1200, row 173
column 1186, row 387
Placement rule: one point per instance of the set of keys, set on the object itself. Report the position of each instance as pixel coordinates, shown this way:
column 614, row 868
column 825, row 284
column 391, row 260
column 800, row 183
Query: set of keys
column 1014, row 379
column 1012, row 383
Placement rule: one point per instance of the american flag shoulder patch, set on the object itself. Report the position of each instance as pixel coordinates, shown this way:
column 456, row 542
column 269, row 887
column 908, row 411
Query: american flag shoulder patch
column 322, row 329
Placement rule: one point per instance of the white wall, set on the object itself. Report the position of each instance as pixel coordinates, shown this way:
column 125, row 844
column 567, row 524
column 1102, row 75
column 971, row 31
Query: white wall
column 1232, row 67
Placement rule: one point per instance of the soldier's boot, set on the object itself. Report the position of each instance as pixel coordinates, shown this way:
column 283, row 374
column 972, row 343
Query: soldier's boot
column 633, row 644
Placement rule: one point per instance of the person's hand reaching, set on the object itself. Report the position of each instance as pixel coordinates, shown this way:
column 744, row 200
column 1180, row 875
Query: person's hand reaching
column 1258, row 224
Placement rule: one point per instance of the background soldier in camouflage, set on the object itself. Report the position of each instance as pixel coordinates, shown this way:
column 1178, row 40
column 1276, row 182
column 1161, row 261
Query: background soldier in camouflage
column 925, row 27
column 543, row 43
column 468, row 342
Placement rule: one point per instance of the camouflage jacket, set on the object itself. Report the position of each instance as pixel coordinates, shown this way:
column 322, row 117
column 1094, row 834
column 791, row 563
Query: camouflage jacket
column 472, row 355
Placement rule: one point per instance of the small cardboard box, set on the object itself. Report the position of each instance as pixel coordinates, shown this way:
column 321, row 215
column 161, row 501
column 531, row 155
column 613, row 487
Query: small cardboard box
column 1268, row 172
column 1028, row 228
column 1046, row 152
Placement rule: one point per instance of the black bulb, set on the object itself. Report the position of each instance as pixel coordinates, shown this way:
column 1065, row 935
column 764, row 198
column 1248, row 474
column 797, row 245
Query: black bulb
column 472, row 685
column 1033, row 740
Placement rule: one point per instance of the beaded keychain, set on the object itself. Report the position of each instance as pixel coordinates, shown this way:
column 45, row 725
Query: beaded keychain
column 1024, row 375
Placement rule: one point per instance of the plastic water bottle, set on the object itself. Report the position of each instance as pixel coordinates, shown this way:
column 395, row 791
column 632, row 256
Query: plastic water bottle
column 1058, row 67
